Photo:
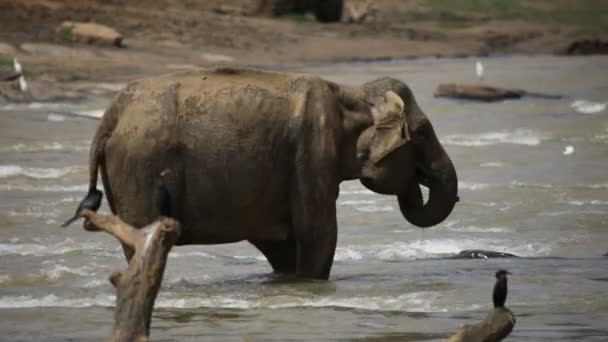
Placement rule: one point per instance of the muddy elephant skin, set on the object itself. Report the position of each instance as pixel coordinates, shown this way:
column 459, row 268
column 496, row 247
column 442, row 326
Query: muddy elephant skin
column 259, row 156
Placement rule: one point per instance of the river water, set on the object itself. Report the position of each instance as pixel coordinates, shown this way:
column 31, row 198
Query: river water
column 533, row 182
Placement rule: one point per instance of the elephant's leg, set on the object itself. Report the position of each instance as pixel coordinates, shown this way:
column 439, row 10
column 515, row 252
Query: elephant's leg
column 280, row 254
column 313, row 212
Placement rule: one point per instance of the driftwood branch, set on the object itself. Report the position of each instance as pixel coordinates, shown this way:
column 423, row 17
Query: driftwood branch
column 497, row 325
column 485, row 93
column 138, row 285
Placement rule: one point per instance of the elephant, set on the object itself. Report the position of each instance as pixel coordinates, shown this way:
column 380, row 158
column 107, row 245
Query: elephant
column 258, row 156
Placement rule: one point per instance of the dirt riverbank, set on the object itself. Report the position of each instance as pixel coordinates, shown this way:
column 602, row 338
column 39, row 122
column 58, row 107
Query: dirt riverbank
column 163, row 36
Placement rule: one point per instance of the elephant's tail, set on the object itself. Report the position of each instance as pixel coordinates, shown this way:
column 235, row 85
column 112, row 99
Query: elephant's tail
column 96, row 153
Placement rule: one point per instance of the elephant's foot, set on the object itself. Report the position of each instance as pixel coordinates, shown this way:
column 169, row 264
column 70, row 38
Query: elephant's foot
column 137, row 286
column 280, row 254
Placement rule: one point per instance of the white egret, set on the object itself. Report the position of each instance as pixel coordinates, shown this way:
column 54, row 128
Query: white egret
column 17, row 65
column 479, row 70
column 19, row 70
column 568, row 150
column 22, row 84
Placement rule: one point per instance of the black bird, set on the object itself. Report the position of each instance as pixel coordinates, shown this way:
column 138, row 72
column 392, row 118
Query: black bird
column 91, row 201
column 162, row 199
column 500, row 289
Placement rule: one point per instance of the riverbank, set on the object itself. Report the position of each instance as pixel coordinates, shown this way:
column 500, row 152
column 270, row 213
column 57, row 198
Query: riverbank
column 162, row 36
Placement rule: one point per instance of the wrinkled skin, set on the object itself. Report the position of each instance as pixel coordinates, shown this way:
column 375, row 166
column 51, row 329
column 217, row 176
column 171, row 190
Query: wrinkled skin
column 259, row 156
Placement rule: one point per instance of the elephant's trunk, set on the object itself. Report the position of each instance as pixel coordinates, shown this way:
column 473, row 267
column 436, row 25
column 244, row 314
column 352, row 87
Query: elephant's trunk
column 443, row 194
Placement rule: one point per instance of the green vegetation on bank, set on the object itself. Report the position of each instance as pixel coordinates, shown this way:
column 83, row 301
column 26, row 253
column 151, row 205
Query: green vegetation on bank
column 592, row 14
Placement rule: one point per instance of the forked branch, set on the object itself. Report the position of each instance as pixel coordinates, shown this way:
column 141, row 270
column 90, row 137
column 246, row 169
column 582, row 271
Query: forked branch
column 138, row 285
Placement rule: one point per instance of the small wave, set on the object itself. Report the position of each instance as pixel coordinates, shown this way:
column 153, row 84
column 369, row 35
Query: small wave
column 191, row 254
column 49, row 274
column 44, row 147
column 356, row 202
column 54, row 117
column 594, row 186
column 421, row 249
column 357, row 192
column 476, row 229
column 588, row 107
column 587, row 202
column 64, row 247
column 519, row 184
column 34, row 212
column 54, row 301
column 259, row 257
column 492, row 164
column 519, row 136
column 33, row 172
column 423, row 301
column 464, row 185
column 44, row 188
column 573, row 213
column 34, row 105
column 374, row 208
column 345, row 253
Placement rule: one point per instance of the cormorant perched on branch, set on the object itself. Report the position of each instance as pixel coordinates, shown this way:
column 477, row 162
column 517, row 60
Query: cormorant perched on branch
column 91, row 201
column 499, row 322
column 500, row 289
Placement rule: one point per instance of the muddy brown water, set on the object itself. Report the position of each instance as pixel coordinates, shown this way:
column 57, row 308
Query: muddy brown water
column 533, row 182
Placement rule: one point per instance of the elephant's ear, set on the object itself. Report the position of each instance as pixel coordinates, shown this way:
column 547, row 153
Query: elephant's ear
column 390, row 125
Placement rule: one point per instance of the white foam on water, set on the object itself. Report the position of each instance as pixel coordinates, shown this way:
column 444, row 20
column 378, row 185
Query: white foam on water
column 476, row 229
column 520, row 136
column 587, row 202
column 375, row 209
column 44, row 188
column 56, row 117
column 63, row 247
column 95, row 113
column 34, row 105
column 52, row 300
column 45, row 147
column 258, row 257
column 57, row 271
column 34, row 172
column 588, row 107
column 356, row 202
column 191, row 254
column 425, row 248
column 573, row 213
column 424, row 301
column 357, row 192
column 492, row 164
column 519, row 184
column 31, row 212
column 465, row 185
column 594, row 186
column 346, row 253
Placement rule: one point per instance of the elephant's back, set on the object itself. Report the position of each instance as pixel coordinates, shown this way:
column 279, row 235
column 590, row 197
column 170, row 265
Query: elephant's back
column 226, row 136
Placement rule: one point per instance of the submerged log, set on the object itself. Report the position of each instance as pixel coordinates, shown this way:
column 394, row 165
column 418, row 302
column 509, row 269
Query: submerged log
column 138, row 285
column 485, row 93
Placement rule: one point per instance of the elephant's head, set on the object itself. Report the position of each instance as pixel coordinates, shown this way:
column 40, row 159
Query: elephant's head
column 400, row 152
